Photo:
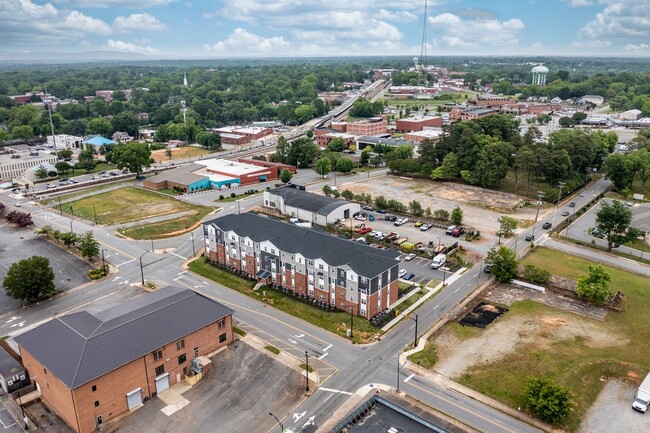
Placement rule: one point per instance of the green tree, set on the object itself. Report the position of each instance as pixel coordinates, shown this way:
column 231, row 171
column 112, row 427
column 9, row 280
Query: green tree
column 327, row 190
column 344, row 165
column 337, row 145
column 614, row 220
column 62, row 167
column 86, row 159
column 100, row 126
column 30, row 279
column 347, row 194
column 88, row 245
column 537, row 275
column 381, row 202
column 209, row 140
column 41, row 172
column 416, row 208
column 506, row 226
column 64, row 154
column 285, row 176
column 282, row 150
column 441, row 214
column 22, row 132
column 549, row 401
column 579, row 116
column 323, row 166
column 504, row 263
column 619, row 168
column 566, row 122
column 133, row 155
column 456, row 217
column 126, row 122
column 595, row 286
column 169, row 153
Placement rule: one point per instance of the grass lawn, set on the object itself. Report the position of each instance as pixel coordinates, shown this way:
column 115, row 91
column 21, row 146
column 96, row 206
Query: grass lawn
column 573, row 363
column 179, row 153
column 331, row 321
column 425, row 358
column 168, row 228
column 508, row 185
column 127, row 204
column 638, row 187
column 68, row 196
column 412, row 300
column 638, row 244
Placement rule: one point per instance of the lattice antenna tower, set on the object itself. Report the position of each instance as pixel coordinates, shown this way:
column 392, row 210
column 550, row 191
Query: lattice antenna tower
column 423, row 46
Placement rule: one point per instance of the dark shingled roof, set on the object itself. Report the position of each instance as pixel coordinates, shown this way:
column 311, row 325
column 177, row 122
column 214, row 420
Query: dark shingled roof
column 80, row 347
column 8, row 365
column 311, row 243
column 309, row 201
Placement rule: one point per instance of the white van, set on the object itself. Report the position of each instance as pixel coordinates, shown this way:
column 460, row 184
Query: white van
column 438, row 261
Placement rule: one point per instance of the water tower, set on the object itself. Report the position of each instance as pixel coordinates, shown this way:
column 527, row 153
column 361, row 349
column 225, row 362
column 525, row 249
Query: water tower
column 539, row 75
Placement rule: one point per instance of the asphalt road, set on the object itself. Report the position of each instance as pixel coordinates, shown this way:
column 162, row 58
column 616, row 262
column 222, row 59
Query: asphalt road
column 345, row 367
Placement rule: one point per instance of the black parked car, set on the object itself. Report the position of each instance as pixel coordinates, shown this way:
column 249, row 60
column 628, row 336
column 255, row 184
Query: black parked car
column 530, row 238
column 547, row 226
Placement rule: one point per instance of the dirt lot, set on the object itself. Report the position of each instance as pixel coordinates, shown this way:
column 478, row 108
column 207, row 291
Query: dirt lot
column 448, row 195
column 457, row 354
column 178, row 153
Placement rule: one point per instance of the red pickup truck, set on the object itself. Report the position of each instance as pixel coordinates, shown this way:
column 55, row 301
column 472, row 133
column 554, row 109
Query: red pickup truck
column 364, row 231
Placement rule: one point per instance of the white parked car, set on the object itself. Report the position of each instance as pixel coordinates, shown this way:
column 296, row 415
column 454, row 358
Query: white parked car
column 409, row 257
column 401, row 273
column 438, row 261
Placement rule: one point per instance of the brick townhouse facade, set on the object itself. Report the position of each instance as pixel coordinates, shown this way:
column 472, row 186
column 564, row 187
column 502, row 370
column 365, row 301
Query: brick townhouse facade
column 343, row 273
column 93, row 368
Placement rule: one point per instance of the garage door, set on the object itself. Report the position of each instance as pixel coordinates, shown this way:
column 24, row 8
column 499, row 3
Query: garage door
column 162, row 382
column 134, row 398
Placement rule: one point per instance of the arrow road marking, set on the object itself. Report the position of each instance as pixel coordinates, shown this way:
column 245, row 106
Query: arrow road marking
column 292, row 341
column 310, row 421
column 297, row 416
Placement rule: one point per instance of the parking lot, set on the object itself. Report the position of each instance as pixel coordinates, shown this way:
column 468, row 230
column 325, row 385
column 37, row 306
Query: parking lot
column 237, row 395
column 612, row 411
column 580, row 229
column 22, row 243
column 421, row 269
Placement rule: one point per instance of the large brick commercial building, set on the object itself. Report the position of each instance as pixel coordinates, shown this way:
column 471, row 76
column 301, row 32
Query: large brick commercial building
column 92, row 368
column 343, row 273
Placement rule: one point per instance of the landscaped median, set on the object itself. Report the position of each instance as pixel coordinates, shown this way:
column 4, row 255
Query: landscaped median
column 336, row 321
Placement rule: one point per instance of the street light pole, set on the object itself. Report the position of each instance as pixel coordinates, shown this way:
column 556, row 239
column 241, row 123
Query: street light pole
column 193, row 249
column 307, row 370
column 279, row 422
column 103, row 262
column 415, row 340
column 141, row 267
column 95, row 212
column 351, row 323
column 397, row 373
column 540, row 196
column 557, row 205
column 71, row 231
column 22, row 408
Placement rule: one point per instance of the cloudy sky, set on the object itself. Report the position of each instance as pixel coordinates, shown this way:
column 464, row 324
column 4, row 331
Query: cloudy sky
column 273, row 28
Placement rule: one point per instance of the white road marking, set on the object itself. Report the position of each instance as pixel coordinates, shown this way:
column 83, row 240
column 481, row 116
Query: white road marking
column 328, row 397
column 292, row 341
column 297, row 416
column 128, row 261
column 409, row 378
column 310, row 421
column 456, row 291
column 334, row 390
column 177, row 255
column 182, row 272
column 323, row 355
column 327, row 348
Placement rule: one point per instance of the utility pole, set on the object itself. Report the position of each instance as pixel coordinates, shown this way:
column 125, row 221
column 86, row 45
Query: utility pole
column 307, row 370
column 540, row 196
column 95, row 212
column 351, row 322
column 193, row 249
column 557, row 205
column 397, row 373
column 415, row 340
column 103, row 262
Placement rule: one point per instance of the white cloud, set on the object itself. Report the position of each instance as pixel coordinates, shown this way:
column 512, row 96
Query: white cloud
column 639, row 47
column 132, row 4
column 242, row 42
column 594, row 43
column 622, row 18
column 138, row 22
column 579, row 3
column 457, row 32
column 128, row 47
column 394, row 15
column 24, row 21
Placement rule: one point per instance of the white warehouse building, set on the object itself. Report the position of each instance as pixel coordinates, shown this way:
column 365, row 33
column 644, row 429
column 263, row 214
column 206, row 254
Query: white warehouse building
column 294, row 201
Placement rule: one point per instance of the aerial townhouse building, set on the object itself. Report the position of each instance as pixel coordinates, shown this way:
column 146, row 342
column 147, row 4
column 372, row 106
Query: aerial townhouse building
column 348, row 275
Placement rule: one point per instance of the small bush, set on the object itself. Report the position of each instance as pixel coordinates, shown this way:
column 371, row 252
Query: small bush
column 537, row 275
column 233, row 195
column 304, row 367
column 239, row 331
column 272, row 349
column 96, row 274
column 549, row 401
column 221, row 197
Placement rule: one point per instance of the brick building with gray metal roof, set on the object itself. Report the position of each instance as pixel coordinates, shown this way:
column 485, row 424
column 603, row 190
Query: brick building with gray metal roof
column 345, row 274
column 93, row 367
